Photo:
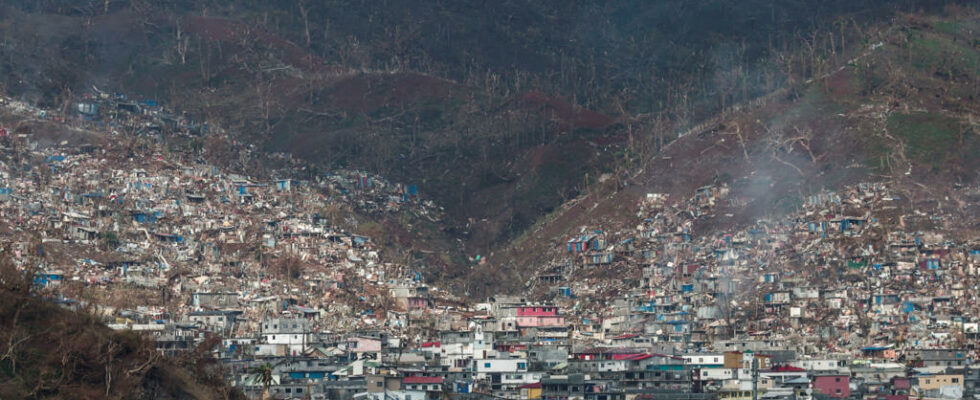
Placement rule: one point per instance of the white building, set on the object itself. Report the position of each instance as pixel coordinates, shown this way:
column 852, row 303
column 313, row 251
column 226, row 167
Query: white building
column 512, row 366
column 292, row 333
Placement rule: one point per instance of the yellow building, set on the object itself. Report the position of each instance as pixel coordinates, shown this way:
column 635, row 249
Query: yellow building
column 737, row 359
column 930, row 382
column 531, row 391
column 733, row 359
column 735, row 395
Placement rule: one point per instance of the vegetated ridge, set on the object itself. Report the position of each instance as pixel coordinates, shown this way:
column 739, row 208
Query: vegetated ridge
column 50, row 352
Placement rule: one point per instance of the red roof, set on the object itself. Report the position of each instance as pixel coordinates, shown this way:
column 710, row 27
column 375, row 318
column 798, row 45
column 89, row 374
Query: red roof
column 626, row 336
column 409, row 380
column 535, row 385
column 431, row 344
column 626, row 356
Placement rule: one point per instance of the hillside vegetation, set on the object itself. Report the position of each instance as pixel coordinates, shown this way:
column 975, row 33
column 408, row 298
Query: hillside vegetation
column 49, row 352
column 903, row 113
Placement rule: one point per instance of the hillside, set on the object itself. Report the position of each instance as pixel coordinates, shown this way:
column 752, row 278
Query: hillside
column 500, row 111
column 903, row 113
column 50, row 352
column 385, row 169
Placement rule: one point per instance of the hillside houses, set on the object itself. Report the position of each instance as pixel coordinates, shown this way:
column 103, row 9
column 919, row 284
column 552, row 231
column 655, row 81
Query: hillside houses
column 852, row 295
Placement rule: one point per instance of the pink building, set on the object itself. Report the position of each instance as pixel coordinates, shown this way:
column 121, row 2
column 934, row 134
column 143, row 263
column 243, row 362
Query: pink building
column 833, row 385
column 539, row 316
column 425, row 383
column 417, row 303
column 359, row 344
column 532, row 311
column 899, row 383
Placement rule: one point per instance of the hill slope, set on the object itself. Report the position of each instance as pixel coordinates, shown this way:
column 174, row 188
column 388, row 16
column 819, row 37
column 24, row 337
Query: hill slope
column 48, row 352
column 904, row 113
column 500, row 111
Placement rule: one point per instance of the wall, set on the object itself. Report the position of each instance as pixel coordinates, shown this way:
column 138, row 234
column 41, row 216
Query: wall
column 832, row 385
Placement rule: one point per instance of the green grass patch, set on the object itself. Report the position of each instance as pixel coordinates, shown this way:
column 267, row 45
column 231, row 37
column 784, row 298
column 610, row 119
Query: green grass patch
column 929, row 138
column 947, row 27
column 878, row 149
column 870, row 76
column 944, row 55
column 926, row 52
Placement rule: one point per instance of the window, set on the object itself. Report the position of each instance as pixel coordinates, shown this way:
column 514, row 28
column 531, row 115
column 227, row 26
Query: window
column 288, row 390
column 299, row 390
column 380, row 384
column 486, row 365
column 836, row 379
column 521, row 365
column 956, row 380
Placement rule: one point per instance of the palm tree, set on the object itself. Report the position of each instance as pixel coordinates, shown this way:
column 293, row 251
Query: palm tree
column 263, row 374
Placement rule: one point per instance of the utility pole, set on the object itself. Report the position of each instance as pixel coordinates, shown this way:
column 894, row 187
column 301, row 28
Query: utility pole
column 755, row 377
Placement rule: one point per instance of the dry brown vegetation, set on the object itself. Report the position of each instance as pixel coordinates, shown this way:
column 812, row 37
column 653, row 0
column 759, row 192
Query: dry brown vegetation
column 49, row 352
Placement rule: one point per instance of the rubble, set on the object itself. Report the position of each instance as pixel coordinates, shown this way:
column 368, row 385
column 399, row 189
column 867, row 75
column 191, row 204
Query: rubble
column 858, row 293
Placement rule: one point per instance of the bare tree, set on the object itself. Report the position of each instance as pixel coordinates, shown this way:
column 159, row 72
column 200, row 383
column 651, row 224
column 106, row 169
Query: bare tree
column 182, row 42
